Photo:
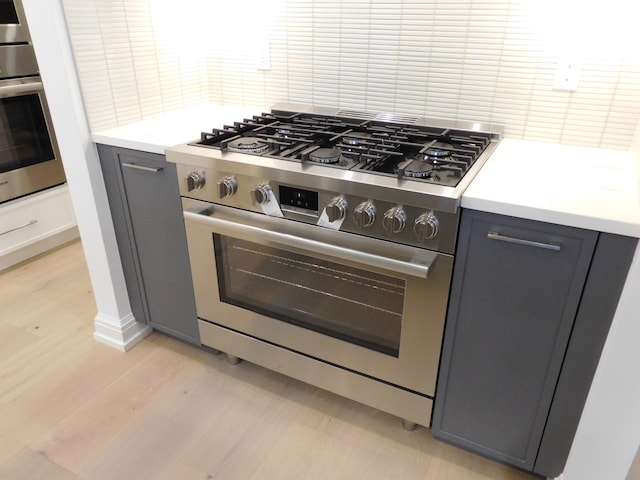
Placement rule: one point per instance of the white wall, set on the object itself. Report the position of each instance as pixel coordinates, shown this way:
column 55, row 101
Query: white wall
column 635, row 150
column 478, row 60
column 137, row 59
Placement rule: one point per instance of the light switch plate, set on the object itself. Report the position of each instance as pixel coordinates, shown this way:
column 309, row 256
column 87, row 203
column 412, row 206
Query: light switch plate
column 567, row 74
column 263, row 55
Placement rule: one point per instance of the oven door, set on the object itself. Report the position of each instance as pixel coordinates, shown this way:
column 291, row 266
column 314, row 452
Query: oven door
column 366, row 305
column 30, row 160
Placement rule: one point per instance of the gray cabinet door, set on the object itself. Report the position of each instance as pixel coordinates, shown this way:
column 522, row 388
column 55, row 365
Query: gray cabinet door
column 145, row 205
column 515, row 293
column 607, row 274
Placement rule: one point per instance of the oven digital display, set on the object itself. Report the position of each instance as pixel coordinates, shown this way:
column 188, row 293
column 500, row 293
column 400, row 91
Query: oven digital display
column 298, row 198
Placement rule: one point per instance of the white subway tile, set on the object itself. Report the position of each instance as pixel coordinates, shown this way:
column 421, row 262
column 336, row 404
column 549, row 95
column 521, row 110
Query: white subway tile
column 484, row 60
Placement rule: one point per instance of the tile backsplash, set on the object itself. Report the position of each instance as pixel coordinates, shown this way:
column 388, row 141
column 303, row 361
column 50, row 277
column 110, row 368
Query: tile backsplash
column 490, row 61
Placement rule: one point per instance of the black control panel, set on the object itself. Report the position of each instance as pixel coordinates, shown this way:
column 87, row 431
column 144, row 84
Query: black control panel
column 298, row 198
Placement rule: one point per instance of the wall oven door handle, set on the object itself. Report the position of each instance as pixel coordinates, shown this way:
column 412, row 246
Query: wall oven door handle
column 419, row 266
column 20, row 88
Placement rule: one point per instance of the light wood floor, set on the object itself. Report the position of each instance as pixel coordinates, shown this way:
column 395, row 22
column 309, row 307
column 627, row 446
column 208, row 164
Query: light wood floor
column 71, row 408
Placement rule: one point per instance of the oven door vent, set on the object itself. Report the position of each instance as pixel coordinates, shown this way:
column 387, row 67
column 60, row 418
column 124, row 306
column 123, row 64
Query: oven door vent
column 384, row 117
column 356, row 114
column 393, row 117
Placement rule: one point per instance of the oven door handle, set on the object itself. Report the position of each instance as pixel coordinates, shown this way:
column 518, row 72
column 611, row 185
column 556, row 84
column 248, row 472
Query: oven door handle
column 419, row 266
column 12, row 90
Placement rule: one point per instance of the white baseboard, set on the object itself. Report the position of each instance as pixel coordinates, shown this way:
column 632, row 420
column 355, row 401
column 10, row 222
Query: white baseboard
column 121, row 334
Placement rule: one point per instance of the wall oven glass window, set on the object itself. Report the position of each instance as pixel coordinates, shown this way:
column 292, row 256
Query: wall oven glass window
column 13, row 27
column 25, row 137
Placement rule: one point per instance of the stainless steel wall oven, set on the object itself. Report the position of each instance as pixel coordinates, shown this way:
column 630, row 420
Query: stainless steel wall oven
column 29, row 157
column 332, row 275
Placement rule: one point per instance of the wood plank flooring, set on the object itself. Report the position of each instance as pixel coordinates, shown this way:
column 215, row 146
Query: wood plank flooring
column 71, row 408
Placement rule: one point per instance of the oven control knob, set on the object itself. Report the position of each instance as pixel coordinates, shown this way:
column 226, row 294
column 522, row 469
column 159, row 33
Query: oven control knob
column 195, row 181
column 394, row 220
column 336, row 209
column 261, row 193
column 426, row 226
column 227, row 186
column 365, row 214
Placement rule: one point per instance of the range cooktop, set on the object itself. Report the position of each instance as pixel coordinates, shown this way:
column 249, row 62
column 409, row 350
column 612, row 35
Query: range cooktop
column 383, row 144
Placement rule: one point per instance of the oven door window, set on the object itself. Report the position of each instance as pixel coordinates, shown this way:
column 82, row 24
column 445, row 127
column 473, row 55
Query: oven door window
column 24, row 137
column 351, row 304
column 8, row 14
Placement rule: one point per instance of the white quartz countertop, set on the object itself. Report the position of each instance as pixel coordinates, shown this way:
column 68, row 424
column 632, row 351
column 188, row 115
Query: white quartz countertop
column 177, row 127
column 582, row 187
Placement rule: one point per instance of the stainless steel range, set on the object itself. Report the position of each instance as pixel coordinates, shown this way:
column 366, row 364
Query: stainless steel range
column 321, row 245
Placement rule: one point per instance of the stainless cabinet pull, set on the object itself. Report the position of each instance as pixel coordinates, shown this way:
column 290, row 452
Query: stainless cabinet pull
column 529, row 243
column 30, row 222
column 142, row 167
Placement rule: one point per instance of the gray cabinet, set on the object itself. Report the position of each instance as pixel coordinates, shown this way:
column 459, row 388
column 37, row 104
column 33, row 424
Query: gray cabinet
column 518, row 353
column 147, row 215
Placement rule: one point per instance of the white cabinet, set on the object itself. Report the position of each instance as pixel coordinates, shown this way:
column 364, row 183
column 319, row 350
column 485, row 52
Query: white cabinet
column 35, row 224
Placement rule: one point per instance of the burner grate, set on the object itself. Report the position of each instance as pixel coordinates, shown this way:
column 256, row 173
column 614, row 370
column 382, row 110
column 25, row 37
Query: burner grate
column 383, row 144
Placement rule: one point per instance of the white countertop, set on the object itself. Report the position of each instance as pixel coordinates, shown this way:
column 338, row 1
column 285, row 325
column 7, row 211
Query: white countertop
column 177, row 127
column 583, row 187
column 590, row 188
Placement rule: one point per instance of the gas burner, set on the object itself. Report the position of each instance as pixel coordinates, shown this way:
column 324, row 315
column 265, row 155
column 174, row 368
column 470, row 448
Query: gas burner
column 439, row 150
column 326, row 155
column 418, row 169
column 356, row 138
column 248, row 145
column 284, row 132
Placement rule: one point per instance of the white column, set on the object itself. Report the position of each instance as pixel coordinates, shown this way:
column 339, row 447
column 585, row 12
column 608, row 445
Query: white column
column 114, row 322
